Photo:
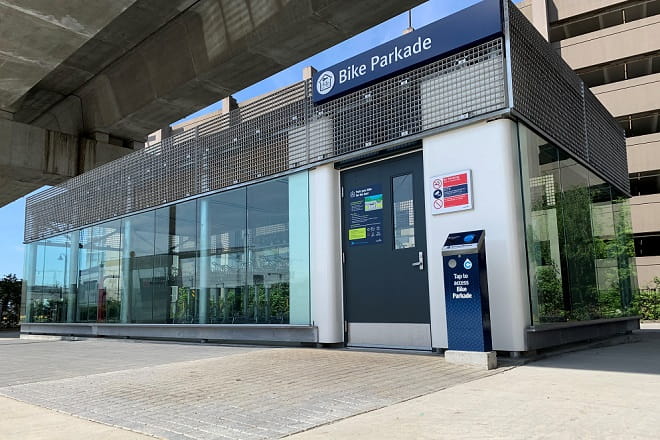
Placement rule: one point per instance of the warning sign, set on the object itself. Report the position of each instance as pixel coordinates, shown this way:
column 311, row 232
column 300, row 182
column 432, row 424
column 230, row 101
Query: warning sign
column 451, row 192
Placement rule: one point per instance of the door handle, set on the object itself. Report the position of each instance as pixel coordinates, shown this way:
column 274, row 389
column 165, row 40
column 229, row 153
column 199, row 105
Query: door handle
column 420, row 262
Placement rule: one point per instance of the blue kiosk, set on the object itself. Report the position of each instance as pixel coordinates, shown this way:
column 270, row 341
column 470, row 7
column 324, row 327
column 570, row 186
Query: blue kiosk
column 466, row 292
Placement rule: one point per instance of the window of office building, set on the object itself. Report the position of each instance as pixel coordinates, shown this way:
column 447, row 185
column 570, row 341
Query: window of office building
column 592, row 21
column 645, row 183
column 647, row 244
column 640, row 124
column 241, row 256
column 620, row 70
column 579, row 237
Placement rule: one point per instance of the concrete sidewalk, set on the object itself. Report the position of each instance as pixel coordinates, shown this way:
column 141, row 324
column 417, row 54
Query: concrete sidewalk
column 611, row 392
column 19, row 420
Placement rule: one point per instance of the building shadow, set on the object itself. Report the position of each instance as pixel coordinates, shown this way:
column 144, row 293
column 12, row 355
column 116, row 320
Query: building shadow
column 640, row 355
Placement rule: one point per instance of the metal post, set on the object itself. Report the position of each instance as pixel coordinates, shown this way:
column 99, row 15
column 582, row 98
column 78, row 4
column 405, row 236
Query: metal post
column 32, row 274
column 204, row 260
column 126, row 273
column 72, row 294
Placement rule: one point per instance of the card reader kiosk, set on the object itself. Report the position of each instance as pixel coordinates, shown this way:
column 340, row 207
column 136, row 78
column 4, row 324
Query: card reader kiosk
column 466, row 291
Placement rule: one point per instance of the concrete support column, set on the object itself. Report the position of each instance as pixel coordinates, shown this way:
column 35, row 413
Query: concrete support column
column 31, row 157
column 540, row 16
column 72, row 294
column 229, row 104
column 325, row 253
column 204, row 260
column 126, row 277
column 308, row 72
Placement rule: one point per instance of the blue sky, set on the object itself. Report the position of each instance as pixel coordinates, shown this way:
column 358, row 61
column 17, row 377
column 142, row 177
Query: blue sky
column 12, row 216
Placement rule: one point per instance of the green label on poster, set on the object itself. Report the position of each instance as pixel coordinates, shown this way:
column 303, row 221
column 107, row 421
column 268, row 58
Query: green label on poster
column 356, row 234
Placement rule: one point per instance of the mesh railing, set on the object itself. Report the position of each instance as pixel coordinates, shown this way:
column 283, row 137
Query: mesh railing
column 275, row 134
column 553, row 98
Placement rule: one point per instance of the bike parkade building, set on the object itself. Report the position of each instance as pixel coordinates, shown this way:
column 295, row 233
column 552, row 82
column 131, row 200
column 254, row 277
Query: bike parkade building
column 312, row 214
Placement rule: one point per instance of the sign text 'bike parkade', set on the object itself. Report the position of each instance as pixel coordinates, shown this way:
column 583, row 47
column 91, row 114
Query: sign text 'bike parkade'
column 465, row 28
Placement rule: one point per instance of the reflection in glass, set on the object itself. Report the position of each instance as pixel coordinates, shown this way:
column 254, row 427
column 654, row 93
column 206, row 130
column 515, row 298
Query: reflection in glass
column 404, row 212
column 579, row 239
column 106, row 251
column 222, row 255
column 137, row 268
column 540, row 172
column 623, row 248
column 577, row 248
column 267, row 296
column 174, row 293
column 226, row 258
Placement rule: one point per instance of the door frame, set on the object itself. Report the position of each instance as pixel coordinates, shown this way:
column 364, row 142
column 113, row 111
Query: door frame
column 418, row 148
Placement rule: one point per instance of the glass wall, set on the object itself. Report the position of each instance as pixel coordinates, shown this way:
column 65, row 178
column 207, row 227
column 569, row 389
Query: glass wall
column 95, row 259
column 579, row 237
column 241, row 256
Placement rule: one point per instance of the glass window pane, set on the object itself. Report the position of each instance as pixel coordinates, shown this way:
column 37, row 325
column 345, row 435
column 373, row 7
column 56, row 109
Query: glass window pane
column 624, row 250
column 175, row 296
column 137, row 268
column 404, row 213
column 574, row 217
column 299, row 288
column 267, row 297
column 605, row 247
column 579, row 242
column 106, row 248
column 87, row 279
column 222, row 263
column 541, row 190
column 29, row 280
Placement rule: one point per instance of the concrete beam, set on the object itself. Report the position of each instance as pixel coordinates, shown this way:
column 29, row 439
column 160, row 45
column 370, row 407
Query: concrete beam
column 563, row 9
column 211, row 50
column 120, row 69
column 643, row 153
column 614, row 43
column 35, row 37
column 135, row 23
column 631, row 96
column 31, row 157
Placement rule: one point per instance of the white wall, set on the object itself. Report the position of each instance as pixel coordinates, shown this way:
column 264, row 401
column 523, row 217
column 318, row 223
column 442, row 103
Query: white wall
column 325, row 253
column 489, row 149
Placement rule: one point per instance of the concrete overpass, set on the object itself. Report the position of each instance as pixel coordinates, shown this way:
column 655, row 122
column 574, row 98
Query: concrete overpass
column 83, row 82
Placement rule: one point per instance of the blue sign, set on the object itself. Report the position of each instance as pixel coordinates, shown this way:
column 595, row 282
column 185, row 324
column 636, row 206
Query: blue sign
column 465, row 28
column 365, row 216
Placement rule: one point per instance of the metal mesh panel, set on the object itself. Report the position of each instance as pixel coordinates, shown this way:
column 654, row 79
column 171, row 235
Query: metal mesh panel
column 606, row 142
column 274, row 134
column 545, row 89
column 553, row 98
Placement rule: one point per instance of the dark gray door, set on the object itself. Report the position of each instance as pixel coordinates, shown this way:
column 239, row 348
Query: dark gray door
column 386, row 301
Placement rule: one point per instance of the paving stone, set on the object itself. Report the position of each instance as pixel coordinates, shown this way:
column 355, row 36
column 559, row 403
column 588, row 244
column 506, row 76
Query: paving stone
column 217, row 392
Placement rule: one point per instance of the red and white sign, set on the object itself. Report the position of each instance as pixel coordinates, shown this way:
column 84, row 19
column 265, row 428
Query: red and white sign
column 451, row 192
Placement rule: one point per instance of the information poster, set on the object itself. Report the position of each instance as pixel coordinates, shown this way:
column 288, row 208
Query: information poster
column 451, row 192
column 365, row 216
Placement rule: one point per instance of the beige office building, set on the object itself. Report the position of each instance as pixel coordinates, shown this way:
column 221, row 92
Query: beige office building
column 614, row 46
